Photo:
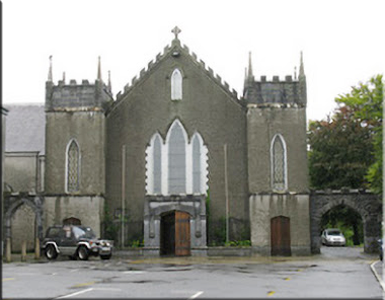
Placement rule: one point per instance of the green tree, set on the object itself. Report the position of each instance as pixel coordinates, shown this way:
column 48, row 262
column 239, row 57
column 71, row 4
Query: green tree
column 366, row 101
column 340, row 151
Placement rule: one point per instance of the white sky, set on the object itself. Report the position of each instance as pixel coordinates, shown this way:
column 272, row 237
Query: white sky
column 342, row 42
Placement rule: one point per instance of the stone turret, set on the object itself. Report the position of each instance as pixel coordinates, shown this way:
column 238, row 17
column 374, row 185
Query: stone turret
column 275, row 91
column 73, row 96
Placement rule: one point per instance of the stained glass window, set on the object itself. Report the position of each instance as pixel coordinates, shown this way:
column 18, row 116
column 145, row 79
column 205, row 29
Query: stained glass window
column 157, row 171
column 73, row 167
column 279, row 164
column 196, row 151
column 177, row 160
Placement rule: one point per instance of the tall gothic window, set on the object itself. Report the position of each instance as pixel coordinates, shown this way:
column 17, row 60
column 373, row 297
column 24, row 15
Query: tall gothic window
column 176, row 166
column 157, row 169
column 176, row 85
column 196, row 164
column 177, row 160
column 73, row 167
column 279, row 167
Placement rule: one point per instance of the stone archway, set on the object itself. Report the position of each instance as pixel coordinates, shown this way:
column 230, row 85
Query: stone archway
column 14, row 202
column 367, row 205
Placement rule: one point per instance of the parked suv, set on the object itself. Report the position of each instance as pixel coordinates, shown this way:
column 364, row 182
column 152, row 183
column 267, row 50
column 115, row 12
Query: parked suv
column 76, row 242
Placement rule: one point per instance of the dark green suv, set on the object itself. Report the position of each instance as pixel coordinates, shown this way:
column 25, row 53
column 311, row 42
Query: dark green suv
column 75, row 242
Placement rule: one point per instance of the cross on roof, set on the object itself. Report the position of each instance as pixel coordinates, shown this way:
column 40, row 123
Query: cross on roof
column 176, row 31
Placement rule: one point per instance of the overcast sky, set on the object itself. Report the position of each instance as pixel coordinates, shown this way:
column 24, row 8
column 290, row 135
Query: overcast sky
column 343, row 42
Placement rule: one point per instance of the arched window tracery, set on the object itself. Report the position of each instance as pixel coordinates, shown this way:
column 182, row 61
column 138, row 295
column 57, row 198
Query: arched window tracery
column 278, row 163
column 72, row 167
column 176, row 166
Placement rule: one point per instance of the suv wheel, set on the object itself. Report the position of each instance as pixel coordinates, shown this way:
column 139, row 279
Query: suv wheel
column 50, row 252
column 83, row 253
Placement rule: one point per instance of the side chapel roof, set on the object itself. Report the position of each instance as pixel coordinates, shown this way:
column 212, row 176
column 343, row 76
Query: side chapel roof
column 25, row 128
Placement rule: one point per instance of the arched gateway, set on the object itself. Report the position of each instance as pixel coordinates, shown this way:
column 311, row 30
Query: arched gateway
column 368, row 205
column 13, row 203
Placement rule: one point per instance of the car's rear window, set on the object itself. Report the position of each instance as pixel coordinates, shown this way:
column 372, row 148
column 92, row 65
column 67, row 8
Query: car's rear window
column 83, row 232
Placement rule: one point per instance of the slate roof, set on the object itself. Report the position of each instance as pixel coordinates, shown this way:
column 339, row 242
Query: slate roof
column 25, row 128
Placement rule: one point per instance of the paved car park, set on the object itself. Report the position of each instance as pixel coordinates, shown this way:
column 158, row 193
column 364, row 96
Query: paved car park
column 337, row 272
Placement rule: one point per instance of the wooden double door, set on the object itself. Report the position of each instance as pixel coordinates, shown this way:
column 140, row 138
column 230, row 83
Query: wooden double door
column 280, row 236
column 175, row 234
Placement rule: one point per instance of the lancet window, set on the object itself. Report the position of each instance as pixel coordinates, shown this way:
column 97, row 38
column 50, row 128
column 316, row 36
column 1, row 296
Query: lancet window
column 176, row 85
column 72, row 167
column 176, row 166
column 278, row 163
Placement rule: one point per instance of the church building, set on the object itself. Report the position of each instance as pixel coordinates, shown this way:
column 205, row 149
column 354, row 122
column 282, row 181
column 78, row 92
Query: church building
column 178, row 160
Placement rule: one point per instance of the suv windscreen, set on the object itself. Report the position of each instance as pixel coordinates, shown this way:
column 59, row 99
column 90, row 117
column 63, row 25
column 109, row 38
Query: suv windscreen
column 83, row 232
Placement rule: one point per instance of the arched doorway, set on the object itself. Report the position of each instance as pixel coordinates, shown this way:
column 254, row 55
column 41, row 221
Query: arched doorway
column 280, row 236
column 347, row 220
column 175, row 234
column 23, row 228
column 23, row 220
column 72, row 221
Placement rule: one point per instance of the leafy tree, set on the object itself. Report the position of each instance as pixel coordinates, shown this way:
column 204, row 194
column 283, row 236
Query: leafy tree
column 366, row 101
column 340, row 151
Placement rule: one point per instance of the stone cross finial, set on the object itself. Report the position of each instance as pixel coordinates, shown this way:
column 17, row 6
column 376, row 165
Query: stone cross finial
column 176, row 31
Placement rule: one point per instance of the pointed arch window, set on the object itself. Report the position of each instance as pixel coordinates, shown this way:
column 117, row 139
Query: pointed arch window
column 72, row 167
column 176, row 85
column 278, row 163
column 177, row 160
column 175, row 166
column 157, row 169
column 196, row 164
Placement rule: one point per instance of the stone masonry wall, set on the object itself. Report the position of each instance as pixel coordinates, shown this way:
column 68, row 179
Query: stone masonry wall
column 264, row 207
column 88, row 128
column 88, row 209
column 263, row 124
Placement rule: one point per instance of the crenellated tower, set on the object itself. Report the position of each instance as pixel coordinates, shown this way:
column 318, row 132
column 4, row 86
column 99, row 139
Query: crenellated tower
column 289, row 92
column 277, row 161
column 75, row 149
column 73, row 96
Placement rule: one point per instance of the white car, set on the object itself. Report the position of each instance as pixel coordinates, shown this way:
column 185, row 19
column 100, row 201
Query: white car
column 333, row 237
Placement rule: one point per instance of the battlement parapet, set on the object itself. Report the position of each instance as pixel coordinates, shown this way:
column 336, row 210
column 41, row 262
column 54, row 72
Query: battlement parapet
column 76, row 96
column 265, row 91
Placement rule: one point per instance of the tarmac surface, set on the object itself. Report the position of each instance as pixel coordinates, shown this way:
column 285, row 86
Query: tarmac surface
column 347, row 272
column 327, row 253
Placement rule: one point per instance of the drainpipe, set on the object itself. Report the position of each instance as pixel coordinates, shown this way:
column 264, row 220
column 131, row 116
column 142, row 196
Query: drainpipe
column 227, row 195
column 123, row 191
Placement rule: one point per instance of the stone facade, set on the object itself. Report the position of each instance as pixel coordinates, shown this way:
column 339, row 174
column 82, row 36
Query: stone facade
column 178, row 139
column 264, row 207
column 88, row 209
